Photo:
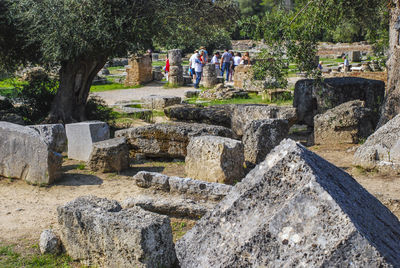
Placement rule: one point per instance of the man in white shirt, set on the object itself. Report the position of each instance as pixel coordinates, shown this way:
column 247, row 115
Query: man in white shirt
column 192, row 64
column 215, row 60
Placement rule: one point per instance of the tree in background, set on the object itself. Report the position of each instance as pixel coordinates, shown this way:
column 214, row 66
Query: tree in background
column 81, row 35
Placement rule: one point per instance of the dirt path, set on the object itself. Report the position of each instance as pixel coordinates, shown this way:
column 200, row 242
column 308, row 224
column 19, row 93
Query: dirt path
column 154, row 88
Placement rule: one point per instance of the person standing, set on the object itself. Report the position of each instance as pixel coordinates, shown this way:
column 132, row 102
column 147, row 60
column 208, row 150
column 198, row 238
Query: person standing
column 166, row 68
column 191, row 64
column 198, row 67
column 346, row 64
column 226, row 63
column 245, row 59
column 232, row 67
column 236, row 62
column 205, row 53
column 215, row 60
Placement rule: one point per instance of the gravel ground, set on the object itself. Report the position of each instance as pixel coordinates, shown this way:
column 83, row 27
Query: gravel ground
column 154, row 88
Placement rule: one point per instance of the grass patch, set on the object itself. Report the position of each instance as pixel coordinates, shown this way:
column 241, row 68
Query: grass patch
column 114, row 68
column 168, row 85
column 180, row 227
column 253, row 99
column 10, row 258
column 8, row 85
column 81, row 167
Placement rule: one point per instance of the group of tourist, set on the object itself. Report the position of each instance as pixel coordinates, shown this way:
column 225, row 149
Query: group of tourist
column 224, row 64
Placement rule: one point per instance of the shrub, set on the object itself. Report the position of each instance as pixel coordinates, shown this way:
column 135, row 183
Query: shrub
column 97, row 109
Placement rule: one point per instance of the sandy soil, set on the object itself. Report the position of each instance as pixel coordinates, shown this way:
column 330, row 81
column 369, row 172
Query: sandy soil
column 27, row 210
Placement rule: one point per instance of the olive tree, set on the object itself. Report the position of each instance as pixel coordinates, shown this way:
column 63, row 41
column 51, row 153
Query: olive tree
column 81, row 35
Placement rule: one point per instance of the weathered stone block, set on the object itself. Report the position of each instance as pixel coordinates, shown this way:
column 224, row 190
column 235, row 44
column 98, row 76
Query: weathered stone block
column 244, row 113
column 49, row 243
column 99, row 232
column 261, row 136
column 175, row 57
column 349, row 122
column 311, row 99
column 215, row 115
column 380, row 150
column 159, row 102
column 54, row 135
column 176, row 71
column 109, row 155
column 215, row 159
column 25, row 155
column 176, row 80
column 139, row 71
column 168, row 140
column 183, row 186
column 192, row 93
column 294, row 209
column 81, row 137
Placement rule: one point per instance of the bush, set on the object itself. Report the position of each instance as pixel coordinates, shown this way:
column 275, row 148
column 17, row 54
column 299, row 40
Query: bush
column 97, row 109
column 36, row 98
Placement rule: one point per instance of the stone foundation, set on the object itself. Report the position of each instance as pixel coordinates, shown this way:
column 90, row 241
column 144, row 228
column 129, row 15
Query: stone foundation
column 140, row 71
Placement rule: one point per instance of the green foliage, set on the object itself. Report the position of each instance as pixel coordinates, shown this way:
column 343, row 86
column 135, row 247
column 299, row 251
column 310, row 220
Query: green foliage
column 10, row 258
column 36, row 98
column 97, row 109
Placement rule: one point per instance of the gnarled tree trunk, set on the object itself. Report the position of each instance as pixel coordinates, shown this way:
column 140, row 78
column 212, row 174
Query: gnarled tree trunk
column 391, row 106
column 75, row 80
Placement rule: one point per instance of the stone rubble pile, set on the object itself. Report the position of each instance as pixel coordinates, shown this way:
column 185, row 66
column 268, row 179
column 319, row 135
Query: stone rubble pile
column 222, row 92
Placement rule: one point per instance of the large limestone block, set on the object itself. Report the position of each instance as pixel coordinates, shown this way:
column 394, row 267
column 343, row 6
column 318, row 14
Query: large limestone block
column 24, row 154
column 244, row 113
column 81, row 137
column 381, row 149
column 349, row 122
column 109, row 155
column 175, row 57
column 214, row 115
column 311, row 99
column 99, row 232
column 159, row 102
column 294, row 209
column 168, row 140
column 54, row 135
column 215, row 159
column 261, row 136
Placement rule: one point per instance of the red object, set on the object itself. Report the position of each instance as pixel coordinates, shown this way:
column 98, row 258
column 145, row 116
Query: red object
column 167, row 66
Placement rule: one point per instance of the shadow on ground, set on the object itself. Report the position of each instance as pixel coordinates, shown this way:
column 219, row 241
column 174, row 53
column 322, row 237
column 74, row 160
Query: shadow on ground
column 78, row 180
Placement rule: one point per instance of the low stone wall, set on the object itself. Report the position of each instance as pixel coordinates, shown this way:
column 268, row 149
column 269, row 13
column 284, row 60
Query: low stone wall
column 140, row 71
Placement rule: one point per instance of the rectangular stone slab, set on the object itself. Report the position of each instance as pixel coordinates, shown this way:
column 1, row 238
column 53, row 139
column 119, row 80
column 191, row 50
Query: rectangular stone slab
column 25, row 155
column 294, row 210
column 82, row 135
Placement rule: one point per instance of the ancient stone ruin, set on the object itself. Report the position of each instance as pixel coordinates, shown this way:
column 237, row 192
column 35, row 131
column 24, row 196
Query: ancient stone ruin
column 294, row 209
column 215, row 159
column 175, row 75
column 26, row 155
column 311, row 98
column 140, row 71
column 168, row 140
column 382, row 149
column 349, row 122
column 209, row 77
column 81, row 137
column 99, row 232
